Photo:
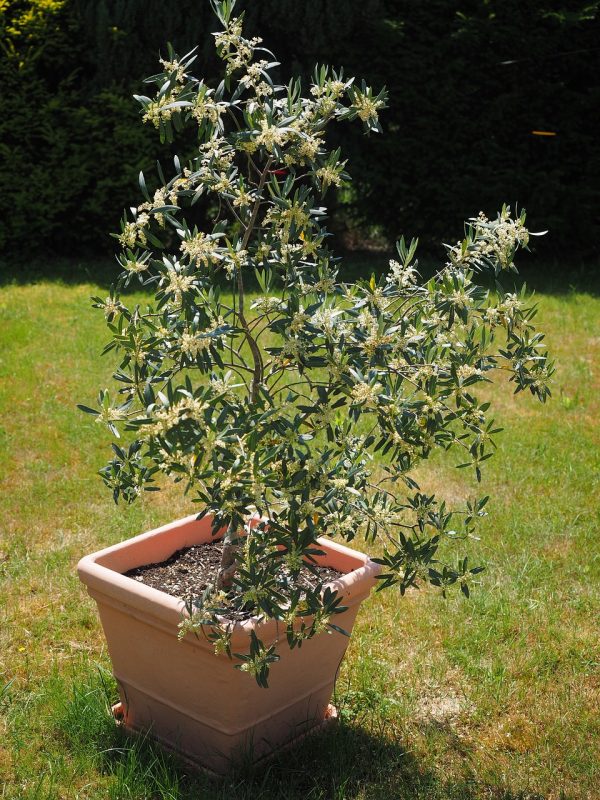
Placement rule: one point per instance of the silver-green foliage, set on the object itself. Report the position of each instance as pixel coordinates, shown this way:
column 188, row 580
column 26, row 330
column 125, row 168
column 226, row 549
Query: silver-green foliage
column 307, row 409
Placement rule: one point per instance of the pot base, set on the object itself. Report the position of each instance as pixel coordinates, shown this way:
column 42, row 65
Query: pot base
column 118, row 712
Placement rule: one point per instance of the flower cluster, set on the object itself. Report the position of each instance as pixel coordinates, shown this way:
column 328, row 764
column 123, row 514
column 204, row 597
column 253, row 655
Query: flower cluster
column 491, row 241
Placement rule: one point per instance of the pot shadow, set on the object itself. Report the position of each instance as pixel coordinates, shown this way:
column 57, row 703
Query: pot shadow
column 339, row 763
column 364, row 755
column 346, row 762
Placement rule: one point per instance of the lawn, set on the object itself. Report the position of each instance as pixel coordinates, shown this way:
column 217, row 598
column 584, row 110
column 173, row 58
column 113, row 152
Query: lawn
column 492, row 698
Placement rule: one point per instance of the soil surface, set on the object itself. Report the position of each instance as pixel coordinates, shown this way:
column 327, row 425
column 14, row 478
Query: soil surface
column 188, row 572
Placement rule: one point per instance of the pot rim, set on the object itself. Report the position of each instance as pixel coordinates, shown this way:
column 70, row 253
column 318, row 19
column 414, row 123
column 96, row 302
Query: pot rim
column 102, row 579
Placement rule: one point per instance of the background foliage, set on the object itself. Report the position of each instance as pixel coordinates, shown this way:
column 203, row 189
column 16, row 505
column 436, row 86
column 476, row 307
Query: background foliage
column 469, row 82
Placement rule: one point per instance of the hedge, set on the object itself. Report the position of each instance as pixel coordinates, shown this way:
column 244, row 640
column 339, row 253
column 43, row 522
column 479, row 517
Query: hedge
column 491, row 102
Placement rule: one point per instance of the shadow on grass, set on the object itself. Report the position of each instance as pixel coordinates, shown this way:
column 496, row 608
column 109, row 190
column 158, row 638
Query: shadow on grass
column 346, row 762
column 67, row 271
column 540, row 274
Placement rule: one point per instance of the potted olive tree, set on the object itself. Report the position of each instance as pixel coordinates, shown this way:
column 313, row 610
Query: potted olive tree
column 294, row 414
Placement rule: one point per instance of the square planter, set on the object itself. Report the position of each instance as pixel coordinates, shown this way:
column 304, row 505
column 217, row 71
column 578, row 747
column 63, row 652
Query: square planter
column 179, row 691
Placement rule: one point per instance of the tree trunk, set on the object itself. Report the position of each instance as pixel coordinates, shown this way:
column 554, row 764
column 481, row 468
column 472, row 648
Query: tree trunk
column 228, row 562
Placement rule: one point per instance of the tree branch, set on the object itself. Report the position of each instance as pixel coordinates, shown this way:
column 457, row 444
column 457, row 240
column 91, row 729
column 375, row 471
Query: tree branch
column 254, row 348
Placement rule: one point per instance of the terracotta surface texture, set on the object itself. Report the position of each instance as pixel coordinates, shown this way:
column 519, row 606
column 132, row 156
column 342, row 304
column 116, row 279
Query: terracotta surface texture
column 179, row 691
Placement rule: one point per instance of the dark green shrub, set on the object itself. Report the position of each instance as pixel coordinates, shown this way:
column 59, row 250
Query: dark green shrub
column 468, row 86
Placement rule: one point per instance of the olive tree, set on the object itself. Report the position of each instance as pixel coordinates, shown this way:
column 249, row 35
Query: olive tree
column 300, row 409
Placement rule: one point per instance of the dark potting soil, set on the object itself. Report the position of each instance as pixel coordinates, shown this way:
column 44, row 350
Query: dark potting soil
column 187, row 572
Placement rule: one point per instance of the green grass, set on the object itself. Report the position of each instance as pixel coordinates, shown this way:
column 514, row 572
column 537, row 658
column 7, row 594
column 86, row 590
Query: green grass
column 495, row 698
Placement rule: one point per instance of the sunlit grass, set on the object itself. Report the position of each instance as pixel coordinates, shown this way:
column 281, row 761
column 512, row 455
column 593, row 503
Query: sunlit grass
column 495, row 697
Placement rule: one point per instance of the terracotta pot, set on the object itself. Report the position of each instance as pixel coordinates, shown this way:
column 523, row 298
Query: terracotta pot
column 190, row 700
